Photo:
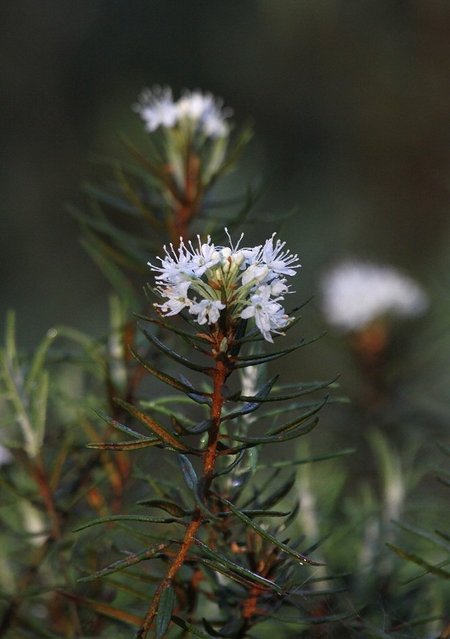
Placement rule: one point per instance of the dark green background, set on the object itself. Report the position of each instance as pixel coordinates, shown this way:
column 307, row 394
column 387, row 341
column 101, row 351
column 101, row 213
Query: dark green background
column 349, row 99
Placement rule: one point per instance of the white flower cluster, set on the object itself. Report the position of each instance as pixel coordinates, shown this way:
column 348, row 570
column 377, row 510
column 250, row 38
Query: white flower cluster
column 247, row 282
column 354, row 294
column 201, row 111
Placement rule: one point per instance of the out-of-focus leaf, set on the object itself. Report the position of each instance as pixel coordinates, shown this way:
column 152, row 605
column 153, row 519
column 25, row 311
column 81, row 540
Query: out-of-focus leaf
column 104, row 609
column 188, row 627
column 38, row 360
column 308, row 460
column 423, row 534
column 108, row 198
column 434, row 570
column 110, row 270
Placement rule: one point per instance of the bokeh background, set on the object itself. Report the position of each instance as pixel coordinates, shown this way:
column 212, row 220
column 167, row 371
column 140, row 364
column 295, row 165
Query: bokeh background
column 349, row 100
column 350, row 107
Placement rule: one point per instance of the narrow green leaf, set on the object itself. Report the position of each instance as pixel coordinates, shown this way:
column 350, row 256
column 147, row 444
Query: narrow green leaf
column 250, row 576
column 434, row 570
column 188, row 471
column 278, row 494
column 10, row 338
column 293, row 433
column 188, row 627
column 143, row 518
column 189, row 337
column 308, row 460
column 110, row 270
column 167, row 379
column 299, row 420
column 255, row 401
column 258, row 513
column 260, row 358
column 304, row 389
column 199, row 428
column 423, row 534
column 110, row 199
column 302, row 559
column 173, row 355
column 199, row 399
column 134, row 445
column 232, row 628
column 231, row 466
column 161, row 433
column 38, row 360
column 40, row 400
column 103, row 608
column 129, row 560
column 169, row 506
column 116, row 424
column 164, row 614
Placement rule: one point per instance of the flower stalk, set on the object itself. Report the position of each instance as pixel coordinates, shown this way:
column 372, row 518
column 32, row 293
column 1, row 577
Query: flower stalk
column 222, row 369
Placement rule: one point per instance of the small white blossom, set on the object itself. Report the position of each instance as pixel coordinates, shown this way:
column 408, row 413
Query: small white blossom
column 268, row 314
column 278, row 261
column 205, row 257
column 177, row 299
column 255, row 273
column 202, row 112
column 243, row 282
column 157, row 108
column 354, row 294
column 207, row 311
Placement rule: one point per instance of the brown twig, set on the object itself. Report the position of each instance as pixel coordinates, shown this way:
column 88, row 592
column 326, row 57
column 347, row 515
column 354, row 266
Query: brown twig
column 220, row 373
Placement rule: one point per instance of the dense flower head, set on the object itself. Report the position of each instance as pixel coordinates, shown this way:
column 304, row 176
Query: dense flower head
column 202, row 112
column 242, row 282
column 355, row 293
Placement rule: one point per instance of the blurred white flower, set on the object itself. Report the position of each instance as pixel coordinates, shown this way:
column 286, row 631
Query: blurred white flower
column 355, row 293
column 202, row 112
column 206, row 112
column 5, row 456
column 208, row 279
column 157, row 108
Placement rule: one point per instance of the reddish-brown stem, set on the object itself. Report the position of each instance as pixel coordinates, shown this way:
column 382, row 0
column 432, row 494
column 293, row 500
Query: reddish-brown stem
column 209, row 460
column 45, row 490
column 46, row 494
column 188, row 203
